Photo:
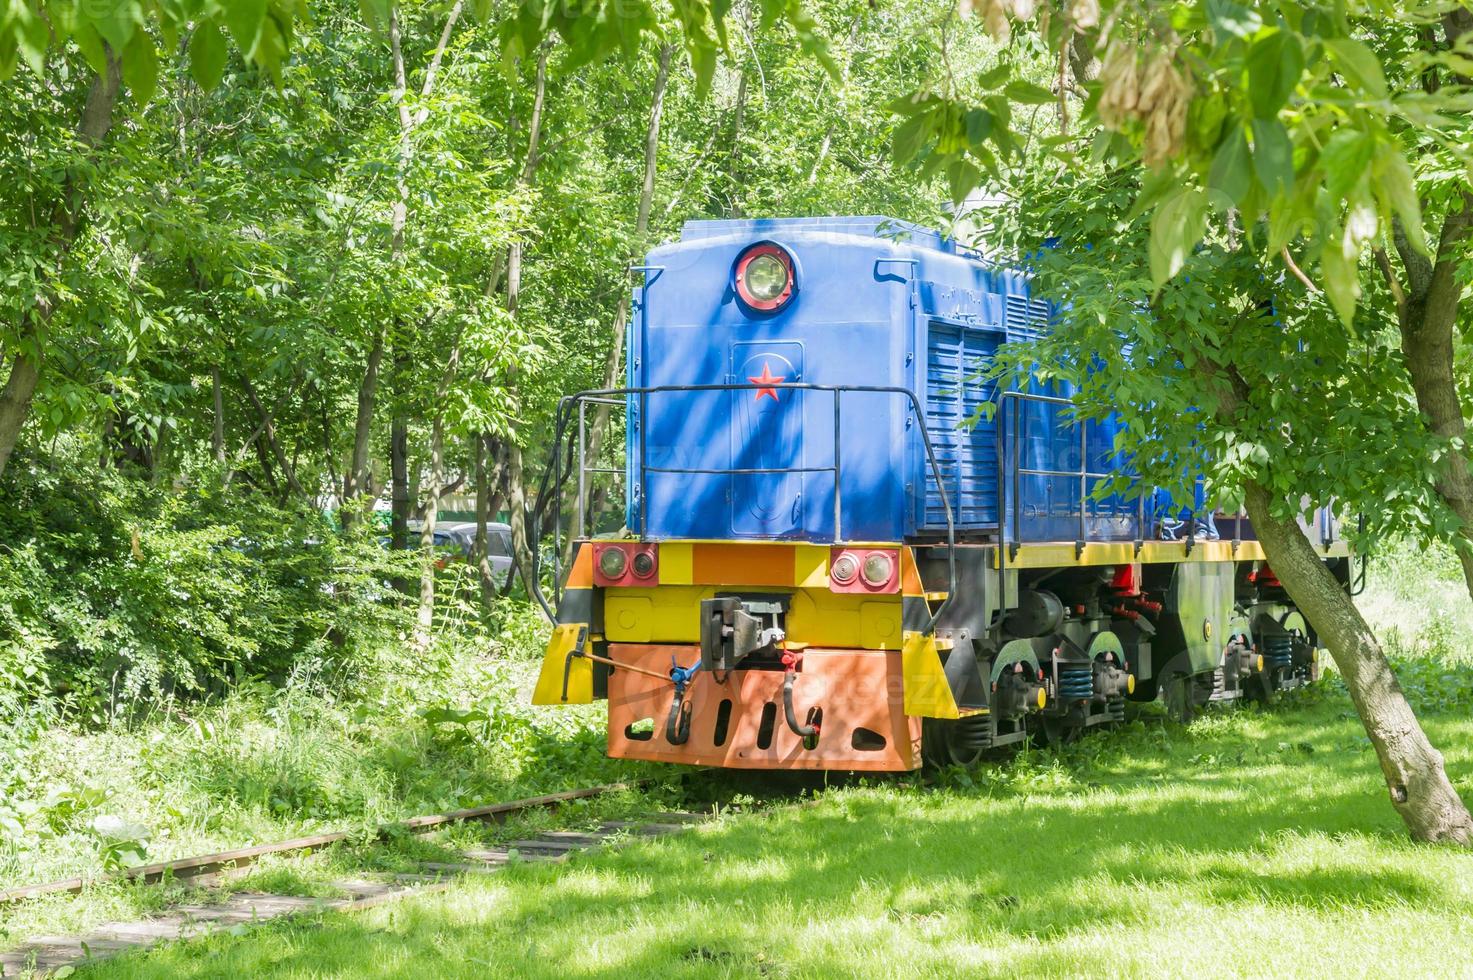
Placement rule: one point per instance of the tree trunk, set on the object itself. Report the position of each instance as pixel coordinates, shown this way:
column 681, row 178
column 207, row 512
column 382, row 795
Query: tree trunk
column 516, row 488
column 828, row 133
column 66, row 222
column 1419, row 787
column 517, row 499
column 427, row 570
column 1427, row 310
column 355, row 481
column 15, row 401
column 485, row 448
column 399, row 483
column 324, row 420
column 399, row 220
column 264, row 459
column 652, row 144
column 268, row 428
column 425, row 618
column 217, row 435
column 734, row 169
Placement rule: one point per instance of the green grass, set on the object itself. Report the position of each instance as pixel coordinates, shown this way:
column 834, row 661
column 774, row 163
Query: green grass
column 1252, row 842
column 268, row 764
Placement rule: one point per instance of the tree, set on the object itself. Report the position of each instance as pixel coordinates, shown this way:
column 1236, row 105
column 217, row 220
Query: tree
column 1240, row 373
column 120, row 50
column 1297, row 121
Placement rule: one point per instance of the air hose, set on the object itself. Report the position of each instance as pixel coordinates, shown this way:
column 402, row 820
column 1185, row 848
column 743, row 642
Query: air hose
column 790, row 677
column 677, row 723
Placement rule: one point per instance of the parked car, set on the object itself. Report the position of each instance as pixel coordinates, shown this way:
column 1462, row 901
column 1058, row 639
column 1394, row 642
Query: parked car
column 498, row 546
column 456, row 540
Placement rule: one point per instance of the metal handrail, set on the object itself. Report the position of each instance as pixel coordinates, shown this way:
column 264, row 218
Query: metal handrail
column 1083, row 473
column 555, row 475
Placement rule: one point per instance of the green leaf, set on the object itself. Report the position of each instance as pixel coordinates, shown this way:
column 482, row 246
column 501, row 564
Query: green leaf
column 1273, row 156
column 1395, row 185
column 116, row 22
column 1231, row 176
column 1345, row 158
column 1157, row 186
column 1284, row 222
column 1176, row 228
column 910, row 105
column 90, row 43
column 1358, row 64
column 909, row 137
column 207, row 55
column 962, row 176
column 1028, row 93
column 979, row 125
column 245, row 19
column 31, row 36
column 8, row 54
column 1341, row 276
column 1275, row 63
column 141, row 68
column 1232, row 19
column 994, row 76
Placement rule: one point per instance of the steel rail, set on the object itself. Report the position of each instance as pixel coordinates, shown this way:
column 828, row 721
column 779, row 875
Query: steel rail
column 207, row 864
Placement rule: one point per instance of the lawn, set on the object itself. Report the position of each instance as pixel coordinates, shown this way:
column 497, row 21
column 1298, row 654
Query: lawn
column 1249, row 843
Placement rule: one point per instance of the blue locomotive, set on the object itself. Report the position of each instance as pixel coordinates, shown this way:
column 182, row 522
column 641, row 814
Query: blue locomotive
column 845, row 547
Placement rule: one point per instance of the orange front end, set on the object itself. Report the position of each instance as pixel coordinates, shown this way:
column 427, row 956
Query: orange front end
column 738, row 722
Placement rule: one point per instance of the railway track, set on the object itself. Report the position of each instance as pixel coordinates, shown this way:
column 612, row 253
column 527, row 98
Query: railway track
column 46, row 955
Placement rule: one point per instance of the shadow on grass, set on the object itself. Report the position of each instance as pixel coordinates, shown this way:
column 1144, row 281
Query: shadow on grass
column 879, row 880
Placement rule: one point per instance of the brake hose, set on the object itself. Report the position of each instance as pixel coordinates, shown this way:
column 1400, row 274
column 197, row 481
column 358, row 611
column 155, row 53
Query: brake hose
column 790, row 677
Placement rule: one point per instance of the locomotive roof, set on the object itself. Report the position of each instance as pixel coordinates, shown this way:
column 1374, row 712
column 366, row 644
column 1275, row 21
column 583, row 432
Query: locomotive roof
column 864, row 226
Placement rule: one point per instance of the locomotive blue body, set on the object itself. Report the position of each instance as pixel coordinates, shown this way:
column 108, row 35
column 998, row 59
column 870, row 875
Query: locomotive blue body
column 848, row 546
column 878, row 303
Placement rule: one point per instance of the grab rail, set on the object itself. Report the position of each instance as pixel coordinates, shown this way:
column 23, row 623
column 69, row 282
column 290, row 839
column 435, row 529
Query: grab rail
column 556, row 473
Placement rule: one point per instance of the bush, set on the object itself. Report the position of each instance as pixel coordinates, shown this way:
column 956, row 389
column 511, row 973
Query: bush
column 115, row 594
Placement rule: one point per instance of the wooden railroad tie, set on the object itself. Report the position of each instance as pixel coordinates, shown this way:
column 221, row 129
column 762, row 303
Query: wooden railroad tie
column 43, row 955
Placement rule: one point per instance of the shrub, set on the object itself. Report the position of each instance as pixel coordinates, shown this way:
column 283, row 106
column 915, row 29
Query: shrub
column 115, row 594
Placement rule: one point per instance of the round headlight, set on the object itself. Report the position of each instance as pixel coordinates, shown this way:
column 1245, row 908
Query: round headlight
column 612, row 562
column 766, row 277
column 844, row 569
column 877, row 569
column 644, row 564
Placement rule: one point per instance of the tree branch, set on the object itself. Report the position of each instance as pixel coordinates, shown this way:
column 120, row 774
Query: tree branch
column 1384, row 261
column 1298, row 272
column 1417, row 265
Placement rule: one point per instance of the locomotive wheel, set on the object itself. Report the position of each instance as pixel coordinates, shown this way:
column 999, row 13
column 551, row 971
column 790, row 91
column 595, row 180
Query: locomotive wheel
column 1263, row 688
column 1055, row 731
column 960, row 742
column 1185, row 694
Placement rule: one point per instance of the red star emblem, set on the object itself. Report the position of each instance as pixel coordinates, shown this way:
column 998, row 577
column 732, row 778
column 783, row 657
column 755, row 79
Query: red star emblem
column 767, row 380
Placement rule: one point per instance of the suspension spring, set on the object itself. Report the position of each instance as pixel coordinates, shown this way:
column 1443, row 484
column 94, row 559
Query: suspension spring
column 1115, row 708
column 972, row 733
column 1278, row 650
column 1076, row 683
